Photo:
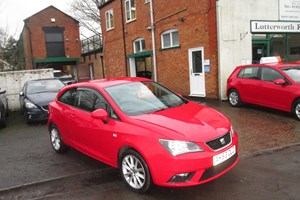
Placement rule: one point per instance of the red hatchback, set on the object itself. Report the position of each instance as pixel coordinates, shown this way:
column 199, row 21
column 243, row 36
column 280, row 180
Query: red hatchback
column 274, row 85
column 151, row 134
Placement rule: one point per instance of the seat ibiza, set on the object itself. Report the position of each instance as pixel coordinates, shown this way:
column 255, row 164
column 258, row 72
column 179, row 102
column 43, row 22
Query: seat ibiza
column 154, row 136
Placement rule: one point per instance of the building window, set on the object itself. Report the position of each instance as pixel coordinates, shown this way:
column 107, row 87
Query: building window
column 285, row 45
column 54, row 39
column 147, row 1
column 170, row 39
column 139, row 45
column 109, row 18
column 130, row 10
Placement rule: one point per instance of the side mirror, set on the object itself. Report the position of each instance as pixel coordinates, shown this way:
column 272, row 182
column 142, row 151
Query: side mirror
column 100, row 114
column 2, row 91
column 280, row 81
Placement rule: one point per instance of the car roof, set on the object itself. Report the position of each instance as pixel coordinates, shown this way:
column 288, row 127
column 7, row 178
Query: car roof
column 274, row 65
column 102, row 83
column 43, row 79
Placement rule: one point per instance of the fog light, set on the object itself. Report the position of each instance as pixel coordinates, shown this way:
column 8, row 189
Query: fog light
column 183, row 177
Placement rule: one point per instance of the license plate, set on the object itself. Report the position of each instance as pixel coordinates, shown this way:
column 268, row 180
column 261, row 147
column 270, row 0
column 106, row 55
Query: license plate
column 217, row 159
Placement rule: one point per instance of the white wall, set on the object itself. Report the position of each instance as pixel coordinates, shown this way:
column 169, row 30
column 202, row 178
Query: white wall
column 13, row 82
column 234, row 36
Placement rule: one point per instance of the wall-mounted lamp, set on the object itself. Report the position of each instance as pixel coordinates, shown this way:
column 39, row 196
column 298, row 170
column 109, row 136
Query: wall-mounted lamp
column 52, row 20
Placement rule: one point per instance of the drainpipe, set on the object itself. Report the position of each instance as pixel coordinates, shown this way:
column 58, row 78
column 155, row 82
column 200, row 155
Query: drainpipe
column 124, row 38
column 220, row 71
column 153, row 41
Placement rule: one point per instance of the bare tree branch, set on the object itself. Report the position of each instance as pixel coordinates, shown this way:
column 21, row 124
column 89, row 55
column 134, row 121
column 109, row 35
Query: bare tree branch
column 87, row 13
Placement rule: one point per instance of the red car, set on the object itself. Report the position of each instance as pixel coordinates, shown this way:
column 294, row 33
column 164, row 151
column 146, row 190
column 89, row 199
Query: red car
column 151, row 134
column 275, row 85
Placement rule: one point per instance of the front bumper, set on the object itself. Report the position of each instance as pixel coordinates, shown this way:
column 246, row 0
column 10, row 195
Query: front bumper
column 199, row 167
column 36, row 115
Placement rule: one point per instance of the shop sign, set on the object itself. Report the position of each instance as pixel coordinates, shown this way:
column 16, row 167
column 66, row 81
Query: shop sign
column 274, row 27
column 289, row 10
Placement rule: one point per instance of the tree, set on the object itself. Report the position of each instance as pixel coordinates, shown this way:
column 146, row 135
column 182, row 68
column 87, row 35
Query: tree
column 87, row 13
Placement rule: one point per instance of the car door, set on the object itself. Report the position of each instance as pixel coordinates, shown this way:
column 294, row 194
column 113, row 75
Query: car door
column 274, row 95
column 65, row 115
column 247, row 82
column 94, row 137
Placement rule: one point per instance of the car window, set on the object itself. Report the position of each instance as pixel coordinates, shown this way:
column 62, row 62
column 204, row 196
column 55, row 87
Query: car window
column 68, row 97
column 89, row 101
column 44, row 86
column 293, row 72
column 249, row 72
column 139, row 98
column 269, row 74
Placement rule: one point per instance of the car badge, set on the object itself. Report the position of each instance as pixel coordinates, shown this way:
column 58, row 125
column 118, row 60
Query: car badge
column 222, row 140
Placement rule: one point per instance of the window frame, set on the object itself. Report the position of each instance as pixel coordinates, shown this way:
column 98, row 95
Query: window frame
column 241, row 73
column 274, row 72
column 129, row 11
column 109, row 20
column 140, row 41
column 171, row 37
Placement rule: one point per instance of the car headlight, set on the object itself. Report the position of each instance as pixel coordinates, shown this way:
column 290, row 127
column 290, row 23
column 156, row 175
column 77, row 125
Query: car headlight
column 176, row 147
column 30, row 105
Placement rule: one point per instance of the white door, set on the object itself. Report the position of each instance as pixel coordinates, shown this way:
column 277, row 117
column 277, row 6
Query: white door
column 197, row 74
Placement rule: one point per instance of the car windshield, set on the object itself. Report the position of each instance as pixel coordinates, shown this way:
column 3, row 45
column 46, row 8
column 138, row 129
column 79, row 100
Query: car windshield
column 293, row 72
column 139, row 98
column 44, row 86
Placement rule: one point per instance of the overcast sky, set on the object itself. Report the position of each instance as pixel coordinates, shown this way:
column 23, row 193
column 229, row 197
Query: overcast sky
column 13, row 12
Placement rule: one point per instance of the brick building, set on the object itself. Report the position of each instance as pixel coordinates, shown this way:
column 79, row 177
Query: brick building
column 50, row 39
column 173, row 43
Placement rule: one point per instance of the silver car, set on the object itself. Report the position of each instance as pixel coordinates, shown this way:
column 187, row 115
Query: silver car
column 3, row 108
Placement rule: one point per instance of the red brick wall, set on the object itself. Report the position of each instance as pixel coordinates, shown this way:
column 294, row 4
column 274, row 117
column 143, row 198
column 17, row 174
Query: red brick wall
column 113, row 44
column 197, row 29
column 35, row 24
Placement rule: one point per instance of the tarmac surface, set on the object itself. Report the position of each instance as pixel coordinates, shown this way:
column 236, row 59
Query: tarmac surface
column 269, row 146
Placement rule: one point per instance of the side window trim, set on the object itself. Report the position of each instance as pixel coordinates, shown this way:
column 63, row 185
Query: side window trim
column 68, row 103
column 243, row 75
column 112, row 114
column 271, row 76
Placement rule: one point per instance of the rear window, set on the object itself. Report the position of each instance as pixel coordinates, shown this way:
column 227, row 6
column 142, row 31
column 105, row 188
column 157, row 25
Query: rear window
column 249, row 72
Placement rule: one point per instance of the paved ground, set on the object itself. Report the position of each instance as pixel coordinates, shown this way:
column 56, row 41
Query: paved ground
column 269, row 168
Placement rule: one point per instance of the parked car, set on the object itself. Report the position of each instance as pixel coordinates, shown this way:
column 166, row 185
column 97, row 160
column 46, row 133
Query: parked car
column 65, row 77
column 150, row 133
column 3, row 108
column 35, row 97
column 271, row 84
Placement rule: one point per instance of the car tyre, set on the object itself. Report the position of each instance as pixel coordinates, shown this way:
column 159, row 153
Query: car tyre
column 296, row 109
column 56, row 141
column 26, row 117
column 2, row 118
column 135, row 172
column 234, row 98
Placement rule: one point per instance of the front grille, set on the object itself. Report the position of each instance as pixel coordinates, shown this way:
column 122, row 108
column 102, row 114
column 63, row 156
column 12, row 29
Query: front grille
column 220, row 142
column 213, row 171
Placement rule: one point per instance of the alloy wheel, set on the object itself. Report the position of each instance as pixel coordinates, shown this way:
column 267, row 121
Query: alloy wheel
column 55, row 139
column 233, row 98
column 297, row 111
column 133, row 171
